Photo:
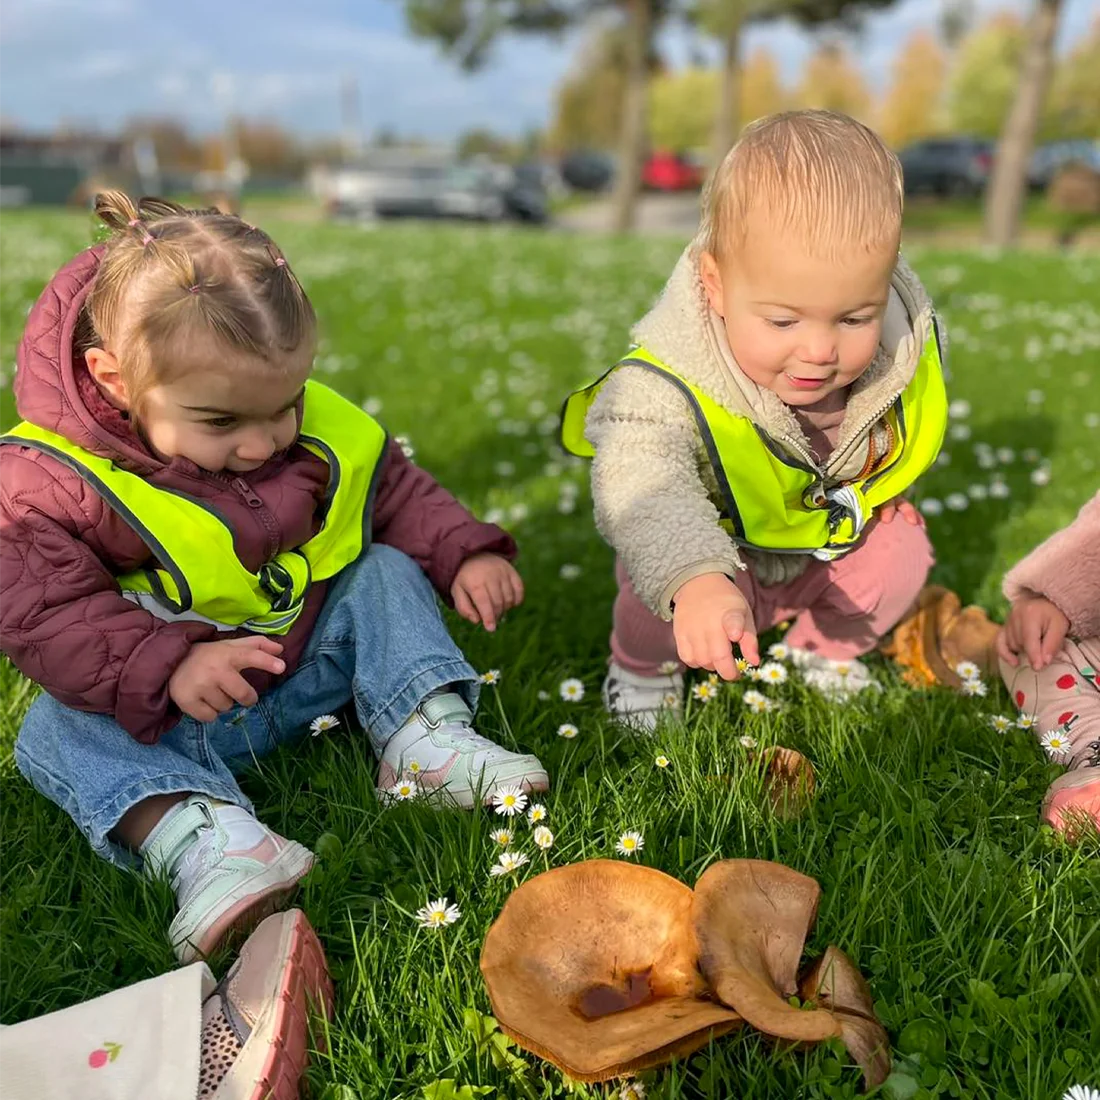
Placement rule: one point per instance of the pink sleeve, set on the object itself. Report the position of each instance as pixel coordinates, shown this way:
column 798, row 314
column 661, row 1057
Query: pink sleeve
column 1066, row 570
column 414, row 514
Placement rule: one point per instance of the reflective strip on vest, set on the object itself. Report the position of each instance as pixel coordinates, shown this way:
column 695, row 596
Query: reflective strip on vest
column 198, row 575
column 774, row 502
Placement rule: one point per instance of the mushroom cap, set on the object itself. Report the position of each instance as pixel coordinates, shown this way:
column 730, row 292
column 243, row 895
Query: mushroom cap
column 751, row 918
column 789, row 781
column 593, row 967
column 835, row 983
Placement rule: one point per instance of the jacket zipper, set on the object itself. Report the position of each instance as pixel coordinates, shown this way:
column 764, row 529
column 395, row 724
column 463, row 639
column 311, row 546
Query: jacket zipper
column 255, row 502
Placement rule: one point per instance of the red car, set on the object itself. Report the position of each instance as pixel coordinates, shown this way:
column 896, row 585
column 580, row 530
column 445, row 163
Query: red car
column 671, row 172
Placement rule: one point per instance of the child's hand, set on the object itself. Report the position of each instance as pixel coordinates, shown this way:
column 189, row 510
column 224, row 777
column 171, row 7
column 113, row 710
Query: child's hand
column 484, row 587
column 709, row 614
column 208, row 680
column 899, row 506
column 1034, row 627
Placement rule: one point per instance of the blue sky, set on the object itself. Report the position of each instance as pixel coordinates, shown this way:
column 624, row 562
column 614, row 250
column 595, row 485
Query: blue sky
column 100, row 61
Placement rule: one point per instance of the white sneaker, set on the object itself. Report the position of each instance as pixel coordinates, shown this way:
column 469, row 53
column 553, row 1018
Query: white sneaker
column 227, row 870
column 639, row 701
column 837, row 680
column 437, row 750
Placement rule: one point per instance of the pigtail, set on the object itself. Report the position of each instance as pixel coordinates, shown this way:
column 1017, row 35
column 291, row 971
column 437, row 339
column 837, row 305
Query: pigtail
column 292, row 312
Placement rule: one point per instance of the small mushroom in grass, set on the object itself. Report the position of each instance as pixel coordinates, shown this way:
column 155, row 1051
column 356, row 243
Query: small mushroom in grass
column 751, row 919
column 789, row 781
column 835, row 983
column 593, row 967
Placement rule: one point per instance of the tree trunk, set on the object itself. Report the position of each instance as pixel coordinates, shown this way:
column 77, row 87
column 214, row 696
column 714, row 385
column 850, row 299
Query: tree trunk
column 632, row 135
column 1009, row 180
column 727, row 114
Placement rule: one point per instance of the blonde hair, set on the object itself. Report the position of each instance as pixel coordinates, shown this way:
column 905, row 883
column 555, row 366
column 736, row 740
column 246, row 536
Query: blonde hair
column 819, row 173
column 171, row 276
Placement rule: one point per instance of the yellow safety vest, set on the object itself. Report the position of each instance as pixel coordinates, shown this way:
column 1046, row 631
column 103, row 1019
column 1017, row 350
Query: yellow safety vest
column 772, row 500
column 198, row 574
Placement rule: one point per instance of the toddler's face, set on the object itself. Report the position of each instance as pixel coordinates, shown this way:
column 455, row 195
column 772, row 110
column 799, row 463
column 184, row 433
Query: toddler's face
column 225, row 421
column 800, row 326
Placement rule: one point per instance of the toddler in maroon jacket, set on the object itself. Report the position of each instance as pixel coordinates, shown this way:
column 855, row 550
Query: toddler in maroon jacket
column 203, row 550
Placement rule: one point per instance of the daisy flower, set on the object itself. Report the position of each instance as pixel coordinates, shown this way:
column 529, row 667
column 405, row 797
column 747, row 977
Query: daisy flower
column 974, row 687
column 957, row 502
column 999, row 490
column 773, row 673
column 779, row 651
column 704, row 692
column 755, row 700
column 632, row 1090
column 743, row 666
column 542, row 695
column 662, row 761
column 508, row 863
column 1000, row 723
column 1081, row 1092
column 958, row 409
column 930, row 506
column 490, row 677
column 413, row 768
column 403, row 791
column 669, row 668
column 407, row 449
column 747, row 742
column 503, row 837
column 571, row 690
column 543, row 837
column 510, row 801
column 568, row 731
column 323, row 723
column 968, row 670
column 630, row 843
column 536, row 813
column 1057, row 744
column 438, row 914
column 1040, row 476
column 1026, row 722
column 1005, row 455
column 569, row 572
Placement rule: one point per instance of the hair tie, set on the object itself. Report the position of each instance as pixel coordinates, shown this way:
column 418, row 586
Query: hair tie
column 194, row 289
column 280, row 262
column 133, row 221
column 146, row 238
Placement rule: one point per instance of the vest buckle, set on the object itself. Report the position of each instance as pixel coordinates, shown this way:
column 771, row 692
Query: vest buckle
column 276, row 581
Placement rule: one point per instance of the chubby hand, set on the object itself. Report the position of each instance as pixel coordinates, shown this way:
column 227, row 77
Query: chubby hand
column 208, row 680
column 709, row 615
column 899, row 506
column 1034, row 627
column 485, row 586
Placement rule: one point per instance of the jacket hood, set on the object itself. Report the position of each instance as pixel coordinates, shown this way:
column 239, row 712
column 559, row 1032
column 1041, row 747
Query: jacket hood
column 53, row 388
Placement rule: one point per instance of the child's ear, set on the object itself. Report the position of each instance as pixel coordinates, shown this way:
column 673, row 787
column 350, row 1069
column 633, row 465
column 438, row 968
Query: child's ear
column 712, row 282
column 103, row 367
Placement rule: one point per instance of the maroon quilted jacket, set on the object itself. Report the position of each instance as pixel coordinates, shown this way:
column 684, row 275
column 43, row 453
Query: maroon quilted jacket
column 64, row 621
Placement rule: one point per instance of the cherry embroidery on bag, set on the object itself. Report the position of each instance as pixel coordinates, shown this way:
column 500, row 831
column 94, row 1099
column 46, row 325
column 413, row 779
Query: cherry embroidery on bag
column 106, row 1053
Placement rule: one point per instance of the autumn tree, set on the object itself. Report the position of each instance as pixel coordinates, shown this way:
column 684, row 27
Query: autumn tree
column 913, row 105
column 985, row 75
column 1008, row 183
column 1073, row 110
column 832, row 82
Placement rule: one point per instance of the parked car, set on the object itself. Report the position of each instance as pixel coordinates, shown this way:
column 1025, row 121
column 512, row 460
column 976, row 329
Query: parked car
column 588, row 170
column 948, row 166
column 472, row 192
column 1048, row 158
column 671, row 172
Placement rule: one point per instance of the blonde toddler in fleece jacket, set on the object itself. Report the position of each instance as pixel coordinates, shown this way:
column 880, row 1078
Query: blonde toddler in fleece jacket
column 750, row 454
column 1050, row 654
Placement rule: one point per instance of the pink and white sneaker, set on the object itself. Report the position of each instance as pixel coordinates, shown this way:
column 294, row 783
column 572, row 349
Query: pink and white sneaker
column 255, row 1025
column 1072, row 802
column 436, row 752
column 227, row 870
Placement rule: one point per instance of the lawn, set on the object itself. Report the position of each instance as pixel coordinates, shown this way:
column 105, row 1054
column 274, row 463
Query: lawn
column 923, row 836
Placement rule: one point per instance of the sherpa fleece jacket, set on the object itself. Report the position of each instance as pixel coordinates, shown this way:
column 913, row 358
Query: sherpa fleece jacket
column 656, row 498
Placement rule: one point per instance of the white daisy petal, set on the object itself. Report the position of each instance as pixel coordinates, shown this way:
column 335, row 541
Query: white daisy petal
column 438, row 914
column 571, row 690
column 322, row 723
column 568, row 731
column 542, row 837
column 508, row 863
column 630, row 843
column 509, row 801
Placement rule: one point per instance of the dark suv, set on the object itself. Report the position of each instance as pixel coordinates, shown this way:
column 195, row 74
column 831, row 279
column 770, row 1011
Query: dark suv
column 948, row 166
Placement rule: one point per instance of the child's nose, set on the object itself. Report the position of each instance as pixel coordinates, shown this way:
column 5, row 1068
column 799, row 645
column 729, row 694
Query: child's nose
column 256, row 447
column 820, row 352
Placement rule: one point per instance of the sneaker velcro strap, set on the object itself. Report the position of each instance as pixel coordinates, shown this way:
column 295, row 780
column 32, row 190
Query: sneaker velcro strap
column 447, row 706
column 174, row 833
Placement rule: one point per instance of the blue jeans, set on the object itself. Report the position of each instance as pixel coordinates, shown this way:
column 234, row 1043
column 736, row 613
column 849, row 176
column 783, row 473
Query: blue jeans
column 379, row 641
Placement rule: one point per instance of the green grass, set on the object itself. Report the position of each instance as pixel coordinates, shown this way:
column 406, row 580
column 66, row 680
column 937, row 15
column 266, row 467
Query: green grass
column 935, row 876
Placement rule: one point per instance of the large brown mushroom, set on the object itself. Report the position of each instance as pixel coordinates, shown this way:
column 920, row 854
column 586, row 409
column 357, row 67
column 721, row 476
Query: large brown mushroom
column 835, row 983
column 751, row 919
column 593, row 967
